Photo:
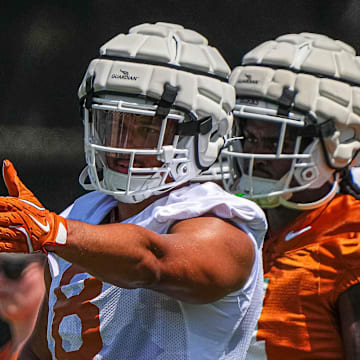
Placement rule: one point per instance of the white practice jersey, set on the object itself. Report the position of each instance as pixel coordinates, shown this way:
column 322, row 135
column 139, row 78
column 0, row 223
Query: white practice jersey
column 90, row 319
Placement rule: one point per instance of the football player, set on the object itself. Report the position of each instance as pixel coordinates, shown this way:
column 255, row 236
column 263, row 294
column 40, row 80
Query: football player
column 296, row 134
column 147, row 266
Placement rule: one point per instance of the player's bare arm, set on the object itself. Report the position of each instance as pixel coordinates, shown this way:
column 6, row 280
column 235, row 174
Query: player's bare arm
column 200, row 260
column 349, row 317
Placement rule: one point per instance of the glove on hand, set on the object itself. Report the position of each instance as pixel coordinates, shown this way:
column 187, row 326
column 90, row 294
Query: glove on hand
column 25, row 225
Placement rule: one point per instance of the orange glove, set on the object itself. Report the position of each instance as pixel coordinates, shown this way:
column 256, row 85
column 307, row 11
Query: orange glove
column 25, row 225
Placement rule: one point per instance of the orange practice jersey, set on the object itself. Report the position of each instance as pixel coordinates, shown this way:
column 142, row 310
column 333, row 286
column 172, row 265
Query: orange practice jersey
column 306, row 268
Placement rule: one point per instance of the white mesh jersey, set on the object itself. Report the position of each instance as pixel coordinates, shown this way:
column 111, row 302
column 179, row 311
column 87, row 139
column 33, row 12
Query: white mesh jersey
column 89, row 319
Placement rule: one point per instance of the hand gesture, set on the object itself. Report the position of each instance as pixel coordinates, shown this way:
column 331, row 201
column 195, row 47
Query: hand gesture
column 25, row 225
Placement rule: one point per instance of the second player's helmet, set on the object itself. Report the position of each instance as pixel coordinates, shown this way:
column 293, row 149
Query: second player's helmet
column 301, row 94
column 156, row 106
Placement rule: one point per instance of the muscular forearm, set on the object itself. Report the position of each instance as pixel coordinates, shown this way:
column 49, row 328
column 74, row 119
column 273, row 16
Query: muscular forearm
column 122, row 254
column 188, row 264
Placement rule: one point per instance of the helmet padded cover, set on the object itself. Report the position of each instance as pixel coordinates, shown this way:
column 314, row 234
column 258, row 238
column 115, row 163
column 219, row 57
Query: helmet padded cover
column 141, row 62
column 325, row 75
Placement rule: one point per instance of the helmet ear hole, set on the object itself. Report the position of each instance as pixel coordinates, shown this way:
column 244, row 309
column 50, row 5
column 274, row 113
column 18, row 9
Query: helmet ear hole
column 317, row 172
column 309, row 174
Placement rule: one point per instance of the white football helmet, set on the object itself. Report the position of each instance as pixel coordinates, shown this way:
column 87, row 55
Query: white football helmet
column 156, row 106
column 298, row 107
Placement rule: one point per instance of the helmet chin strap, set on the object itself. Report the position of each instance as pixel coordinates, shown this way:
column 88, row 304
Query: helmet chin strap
column 315, row 204
column 262, row 185
column 270, row 202
column 133, row 199
column 142, row 185
column 83, row 177
column 120, row 180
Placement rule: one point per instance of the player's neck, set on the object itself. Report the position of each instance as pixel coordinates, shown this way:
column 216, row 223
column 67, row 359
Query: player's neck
column 126, row 211
column 280, row 217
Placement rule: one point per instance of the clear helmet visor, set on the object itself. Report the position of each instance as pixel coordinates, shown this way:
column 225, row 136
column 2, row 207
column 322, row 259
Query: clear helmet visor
column 132, row 131
column 124, row 134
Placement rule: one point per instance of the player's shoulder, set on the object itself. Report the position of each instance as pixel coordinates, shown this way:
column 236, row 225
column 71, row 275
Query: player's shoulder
column 340, row 238
column 338, row 220
column 346, row 201
column 91, row 207
column 209, row 198
column 343, row 209
column 209, row 194
column 209, row 191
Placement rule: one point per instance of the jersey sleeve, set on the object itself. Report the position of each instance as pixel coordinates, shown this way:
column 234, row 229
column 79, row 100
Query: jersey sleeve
column 209, row 198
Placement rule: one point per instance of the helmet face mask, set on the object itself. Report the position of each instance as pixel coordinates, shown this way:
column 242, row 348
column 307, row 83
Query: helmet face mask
column 132, row 131
column 269, row 157
column 133, row 148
